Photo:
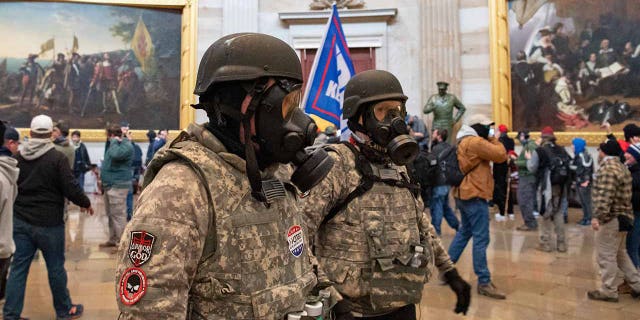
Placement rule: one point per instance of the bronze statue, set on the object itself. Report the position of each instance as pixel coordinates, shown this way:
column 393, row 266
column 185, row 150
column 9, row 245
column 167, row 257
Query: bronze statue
column 442, row 105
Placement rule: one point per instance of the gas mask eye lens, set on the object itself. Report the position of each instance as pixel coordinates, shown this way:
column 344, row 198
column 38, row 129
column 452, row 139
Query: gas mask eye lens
column 290, row 103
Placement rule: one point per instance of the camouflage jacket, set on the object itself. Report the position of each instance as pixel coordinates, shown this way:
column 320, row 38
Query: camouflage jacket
column 365, row 249
column 612, row 190
column 200, row 246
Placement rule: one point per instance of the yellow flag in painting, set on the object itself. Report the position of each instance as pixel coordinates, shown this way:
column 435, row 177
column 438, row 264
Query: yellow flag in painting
column 75, row 47
column 48, row 45
column 141, row 45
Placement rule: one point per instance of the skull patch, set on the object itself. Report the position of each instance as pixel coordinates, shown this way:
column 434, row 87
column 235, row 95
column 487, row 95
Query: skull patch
column 133, row 285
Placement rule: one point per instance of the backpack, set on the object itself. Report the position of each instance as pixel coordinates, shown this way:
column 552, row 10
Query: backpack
column 448, row 167
column 559, row 165
column 425, row 168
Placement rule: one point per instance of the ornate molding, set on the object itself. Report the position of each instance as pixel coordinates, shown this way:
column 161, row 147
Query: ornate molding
column 341, row 4
column 345, row 15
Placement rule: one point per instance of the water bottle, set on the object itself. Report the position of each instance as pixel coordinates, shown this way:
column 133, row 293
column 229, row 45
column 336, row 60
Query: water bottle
column 325, row 298
column 419, row 260
column 314, row 310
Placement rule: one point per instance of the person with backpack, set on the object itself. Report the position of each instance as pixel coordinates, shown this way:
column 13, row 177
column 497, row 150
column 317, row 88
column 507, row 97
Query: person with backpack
column 475, row 152
column 551, row 163
column 439, row 202
column 583, row 174
column 527, row 184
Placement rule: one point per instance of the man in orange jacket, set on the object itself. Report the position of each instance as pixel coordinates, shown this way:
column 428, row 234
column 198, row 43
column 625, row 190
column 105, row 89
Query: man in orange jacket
column 475, row 152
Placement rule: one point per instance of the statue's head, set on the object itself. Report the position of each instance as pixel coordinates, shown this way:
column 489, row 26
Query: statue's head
column 442, row 87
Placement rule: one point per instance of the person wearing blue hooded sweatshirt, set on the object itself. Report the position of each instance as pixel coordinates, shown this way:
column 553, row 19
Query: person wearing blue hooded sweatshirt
column 583, row 172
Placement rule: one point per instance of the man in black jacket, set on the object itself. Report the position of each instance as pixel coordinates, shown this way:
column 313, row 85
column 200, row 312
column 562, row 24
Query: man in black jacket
column 501, row 177
column 82, row 162
column 439, row 202
column 44, row 182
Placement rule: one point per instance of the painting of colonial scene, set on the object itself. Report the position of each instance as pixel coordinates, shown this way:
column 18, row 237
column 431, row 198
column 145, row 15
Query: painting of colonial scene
column 89, row 65
column 575, row 64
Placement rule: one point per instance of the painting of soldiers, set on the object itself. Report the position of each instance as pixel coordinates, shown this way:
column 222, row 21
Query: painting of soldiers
column 105, row 67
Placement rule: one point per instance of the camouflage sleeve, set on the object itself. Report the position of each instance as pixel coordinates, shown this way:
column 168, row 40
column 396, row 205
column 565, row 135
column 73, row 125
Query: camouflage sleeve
column 161, row 246
column 336, row 186
column 428, row 233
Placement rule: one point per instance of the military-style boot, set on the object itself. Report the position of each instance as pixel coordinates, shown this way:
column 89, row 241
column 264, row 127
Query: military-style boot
column 597, row 295
column 490, row 291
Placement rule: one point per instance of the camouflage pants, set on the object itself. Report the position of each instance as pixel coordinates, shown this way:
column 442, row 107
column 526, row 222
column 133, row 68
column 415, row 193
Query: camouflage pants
column 553, row 218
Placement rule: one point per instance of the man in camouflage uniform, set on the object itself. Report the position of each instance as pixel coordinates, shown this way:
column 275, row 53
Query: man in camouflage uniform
column 217, row 234
column 442, row 105
column 374, row 242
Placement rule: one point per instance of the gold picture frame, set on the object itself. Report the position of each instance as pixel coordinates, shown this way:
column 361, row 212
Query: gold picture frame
column 188, row 63
column 501, row 77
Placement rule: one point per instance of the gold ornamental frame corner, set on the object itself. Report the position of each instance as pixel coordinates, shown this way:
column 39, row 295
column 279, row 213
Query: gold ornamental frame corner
column 499, row 53
column 188, row 63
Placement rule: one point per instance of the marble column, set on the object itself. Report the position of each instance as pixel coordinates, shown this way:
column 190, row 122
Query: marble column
column 240, row 16
column 440, row 45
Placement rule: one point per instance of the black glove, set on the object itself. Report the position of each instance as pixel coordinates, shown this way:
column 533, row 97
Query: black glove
column 462, row 290
column 342, row 310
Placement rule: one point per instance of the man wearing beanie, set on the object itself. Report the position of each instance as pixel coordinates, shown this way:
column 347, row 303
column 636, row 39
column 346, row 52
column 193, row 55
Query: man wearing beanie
column 611, row 221
column 8, row 192
column 633, row 239
column 11, row 141
column 527, row 184
column 476, row 150
column 551, row 164
column 45, row 180
column 583, row 173
column 501, row 177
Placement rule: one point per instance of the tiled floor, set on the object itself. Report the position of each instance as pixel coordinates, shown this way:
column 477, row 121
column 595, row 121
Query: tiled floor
column 539, row 285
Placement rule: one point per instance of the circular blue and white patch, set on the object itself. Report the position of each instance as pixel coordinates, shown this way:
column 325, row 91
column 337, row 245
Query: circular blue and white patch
column 296, row 240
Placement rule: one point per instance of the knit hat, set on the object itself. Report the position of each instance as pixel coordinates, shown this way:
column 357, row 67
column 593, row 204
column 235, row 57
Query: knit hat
column 631, row 130
column 547, row 132
column 634, row 151
column 611, row 148
column 578, row 145
column 11, row 134
column 42, row 124
column 502, row 128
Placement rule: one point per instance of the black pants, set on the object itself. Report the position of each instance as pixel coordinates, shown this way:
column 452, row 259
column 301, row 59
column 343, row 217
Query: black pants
column 407, row 312
column 501, row 179
column 4, row 270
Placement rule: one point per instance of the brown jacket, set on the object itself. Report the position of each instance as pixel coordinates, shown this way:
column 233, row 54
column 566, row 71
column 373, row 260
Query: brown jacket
column 474, row 156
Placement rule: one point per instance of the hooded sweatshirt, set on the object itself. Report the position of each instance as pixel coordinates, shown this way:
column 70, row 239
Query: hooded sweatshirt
column 44, row 181
column 582, row 162
column 8, row 180
column 475, row 155
column 62, row 144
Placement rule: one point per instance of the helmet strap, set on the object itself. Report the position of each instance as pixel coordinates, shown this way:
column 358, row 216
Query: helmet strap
column 248, row 129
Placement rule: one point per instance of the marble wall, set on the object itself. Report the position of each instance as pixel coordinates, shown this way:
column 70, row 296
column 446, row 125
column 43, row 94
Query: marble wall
column 464, row 44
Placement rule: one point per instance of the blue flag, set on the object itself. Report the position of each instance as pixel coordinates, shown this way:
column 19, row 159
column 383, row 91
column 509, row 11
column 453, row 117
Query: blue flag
column 332, row 68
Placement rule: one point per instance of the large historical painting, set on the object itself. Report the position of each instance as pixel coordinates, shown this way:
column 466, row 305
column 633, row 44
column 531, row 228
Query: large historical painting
column 90, row 64
column 575, row 64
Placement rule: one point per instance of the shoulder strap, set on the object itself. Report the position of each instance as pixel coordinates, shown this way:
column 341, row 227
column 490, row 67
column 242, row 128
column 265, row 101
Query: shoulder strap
column 364, row 185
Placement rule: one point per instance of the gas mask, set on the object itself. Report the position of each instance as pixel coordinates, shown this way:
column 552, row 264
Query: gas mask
column 283, row 131
column 384, row 123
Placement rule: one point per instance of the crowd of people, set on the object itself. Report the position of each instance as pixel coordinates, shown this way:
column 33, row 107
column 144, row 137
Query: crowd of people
column 39, row 177
column 244, row 217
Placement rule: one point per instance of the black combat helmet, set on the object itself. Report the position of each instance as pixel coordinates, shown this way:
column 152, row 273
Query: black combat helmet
column 370, row 86
column 246, row 56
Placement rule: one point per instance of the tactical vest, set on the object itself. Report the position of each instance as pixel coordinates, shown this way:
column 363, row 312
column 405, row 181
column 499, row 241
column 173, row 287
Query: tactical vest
column 366, row 248
column 255, row 263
